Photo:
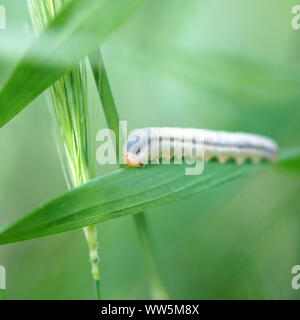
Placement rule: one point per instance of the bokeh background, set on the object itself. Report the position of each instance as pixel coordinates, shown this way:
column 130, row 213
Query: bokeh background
column 230, row 65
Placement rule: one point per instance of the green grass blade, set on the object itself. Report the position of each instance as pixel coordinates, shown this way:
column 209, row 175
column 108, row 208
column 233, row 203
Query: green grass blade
column 124, row 192
column 76, row 31
column 105, row 93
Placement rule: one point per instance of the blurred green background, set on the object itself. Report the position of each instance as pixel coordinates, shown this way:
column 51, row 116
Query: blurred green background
column 228, row 65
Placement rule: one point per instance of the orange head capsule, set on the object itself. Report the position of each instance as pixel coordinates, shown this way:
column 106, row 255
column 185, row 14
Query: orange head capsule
column 135, row 149
column 131, row 160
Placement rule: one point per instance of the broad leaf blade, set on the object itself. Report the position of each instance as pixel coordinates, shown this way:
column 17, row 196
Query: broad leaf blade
column 123, row 192
column 77, row 31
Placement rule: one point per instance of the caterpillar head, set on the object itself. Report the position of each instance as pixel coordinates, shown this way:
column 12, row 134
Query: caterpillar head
column 136, row 148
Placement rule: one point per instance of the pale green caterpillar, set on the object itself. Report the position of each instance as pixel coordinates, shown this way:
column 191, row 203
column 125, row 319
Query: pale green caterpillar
column 215, row 144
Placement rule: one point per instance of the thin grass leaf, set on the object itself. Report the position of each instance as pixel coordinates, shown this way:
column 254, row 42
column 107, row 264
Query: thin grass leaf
column 123, row 192
column 158, row 291
column 105, row 93
column 76, row 31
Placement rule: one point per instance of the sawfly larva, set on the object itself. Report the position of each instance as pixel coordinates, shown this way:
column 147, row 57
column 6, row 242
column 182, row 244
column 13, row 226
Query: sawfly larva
column 222, row 145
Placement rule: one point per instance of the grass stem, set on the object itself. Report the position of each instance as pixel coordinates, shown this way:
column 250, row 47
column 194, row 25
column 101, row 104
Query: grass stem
column 158, row 292
column 91, row 237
